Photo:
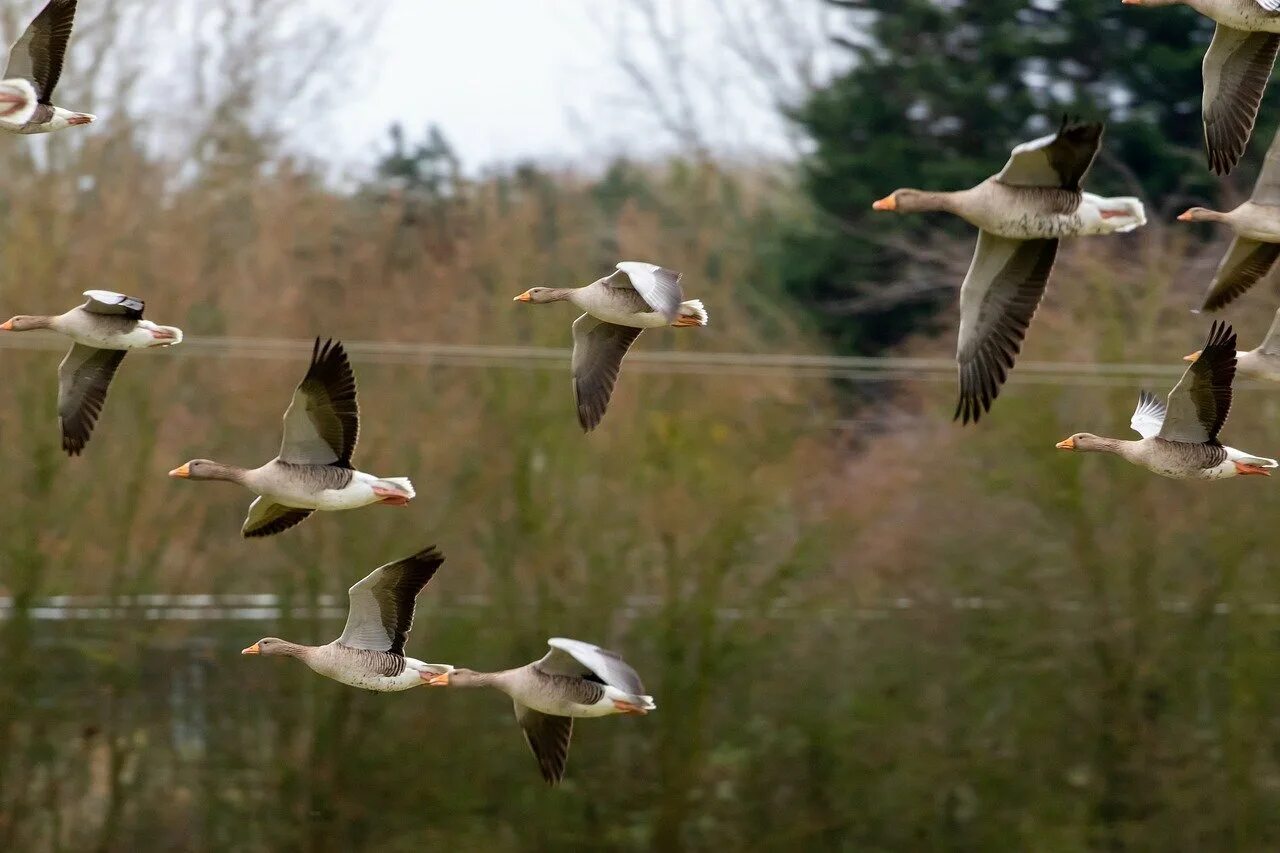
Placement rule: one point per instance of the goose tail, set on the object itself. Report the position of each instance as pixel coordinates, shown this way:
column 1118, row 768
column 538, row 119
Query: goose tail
column 692, row 313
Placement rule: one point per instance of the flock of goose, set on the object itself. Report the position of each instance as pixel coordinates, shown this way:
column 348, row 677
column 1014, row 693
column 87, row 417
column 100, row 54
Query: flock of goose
column 1022, row 213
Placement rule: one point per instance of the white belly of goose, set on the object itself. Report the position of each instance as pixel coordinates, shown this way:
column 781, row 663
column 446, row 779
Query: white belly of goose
column 358, row 493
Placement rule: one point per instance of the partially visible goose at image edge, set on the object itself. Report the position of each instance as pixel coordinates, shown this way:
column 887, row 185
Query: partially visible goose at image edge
column 1021, row 213
column 370, row 652
column 1263, row 361
column 1256, row 224
column 1236, row 69
column 313, row 470
column 1180, row 436
column 103, row 329
column 574, row 679
column 619, row 307
column 37, row 57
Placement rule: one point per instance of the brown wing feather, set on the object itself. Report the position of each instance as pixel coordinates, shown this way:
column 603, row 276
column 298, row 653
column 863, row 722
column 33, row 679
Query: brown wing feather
column 548, row 737
column 327, row 398
column 598, row 350
column 397, row 590
column 1199, row 404
column 1245, row 263
column 39, row 53
column 268, row 519
column 991, row 332
column 1236, row 69
column 83, row 380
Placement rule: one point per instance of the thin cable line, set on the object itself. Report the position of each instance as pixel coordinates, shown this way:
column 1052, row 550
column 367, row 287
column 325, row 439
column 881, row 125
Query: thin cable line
column 864, row 368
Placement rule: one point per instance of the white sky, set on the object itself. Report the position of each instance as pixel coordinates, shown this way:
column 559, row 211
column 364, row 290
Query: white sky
column 513, row 79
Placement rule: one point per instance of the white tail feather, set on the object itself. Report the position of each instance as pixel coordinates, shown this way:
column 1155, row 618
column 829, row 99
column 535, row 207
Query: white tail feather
column 401, row 484
column 694, row 308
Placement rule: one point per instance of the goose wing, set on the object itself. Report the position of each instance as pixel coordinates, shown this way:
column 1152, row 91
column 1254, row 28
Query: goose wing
column 660, row 287
column 997, row 301
column 113, row 304
column 381, row 613
column 548, row 737
column 83, row 379
column 266, row 518
column 1149, row 415
column 1236, row 69
column 1198, row 405
column 574, row 657
column 37, row 55
column 1058, row 160
column 598, row 350
column 1245, row 262
column 322, row 423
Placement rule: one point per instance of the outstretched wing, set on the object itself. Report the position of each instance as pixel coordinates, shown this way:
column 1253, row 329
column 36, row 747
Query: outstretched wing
column 997, row 301
column 548, row 737
column 1058, row 160
column 1198, row 405
column 83, row 379
column 1236, row 68
column 1245, row 262
column 322, row 423
column 37, row 55
column 598, row 350
column 381, row 613
column 267, row 519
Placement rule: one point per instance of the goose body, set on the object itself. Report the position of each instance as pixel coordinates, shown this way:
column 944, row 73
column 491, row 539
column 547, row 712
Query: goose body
column 1021, row 213
column 313, row 470
column 102, row 330
column 1180, row 436
column 370, row 652
column 36, row 58
column 1236, row 68
column 635, row 297
column 574, row 679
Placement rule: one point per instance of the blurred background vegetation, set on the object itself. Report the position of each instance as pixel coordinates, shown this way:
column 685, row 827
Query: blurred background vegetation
column 866, row 628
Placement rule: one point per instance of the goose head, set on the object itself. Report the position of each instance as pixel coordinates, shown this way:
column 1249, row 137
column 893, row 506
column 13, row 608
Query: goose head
column 24, row 323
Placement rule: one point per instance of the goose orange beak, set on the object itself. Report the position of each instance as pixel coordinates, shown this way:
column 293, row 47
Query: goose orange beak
column 436, row 680
column 1195, row 355
column 1185, row 216
column 252, row 650
column 182, row 471
column 889, row 202
column 7, row 325
column 1066, row 444
column 524, row 297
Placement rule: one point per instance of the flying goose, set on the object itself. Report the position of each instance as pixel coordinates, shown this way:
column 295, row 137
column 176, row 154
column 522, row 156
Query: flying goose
column 1263, row 362
column 1236, row 69
column 103, row 329
column 1256, row 224
column 574, row 679
column 37, row 58
column 619, row 307
column 1021, row 213
column 313, row 470
column 1180, row 437
column 17, row 102
column 370, row 652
